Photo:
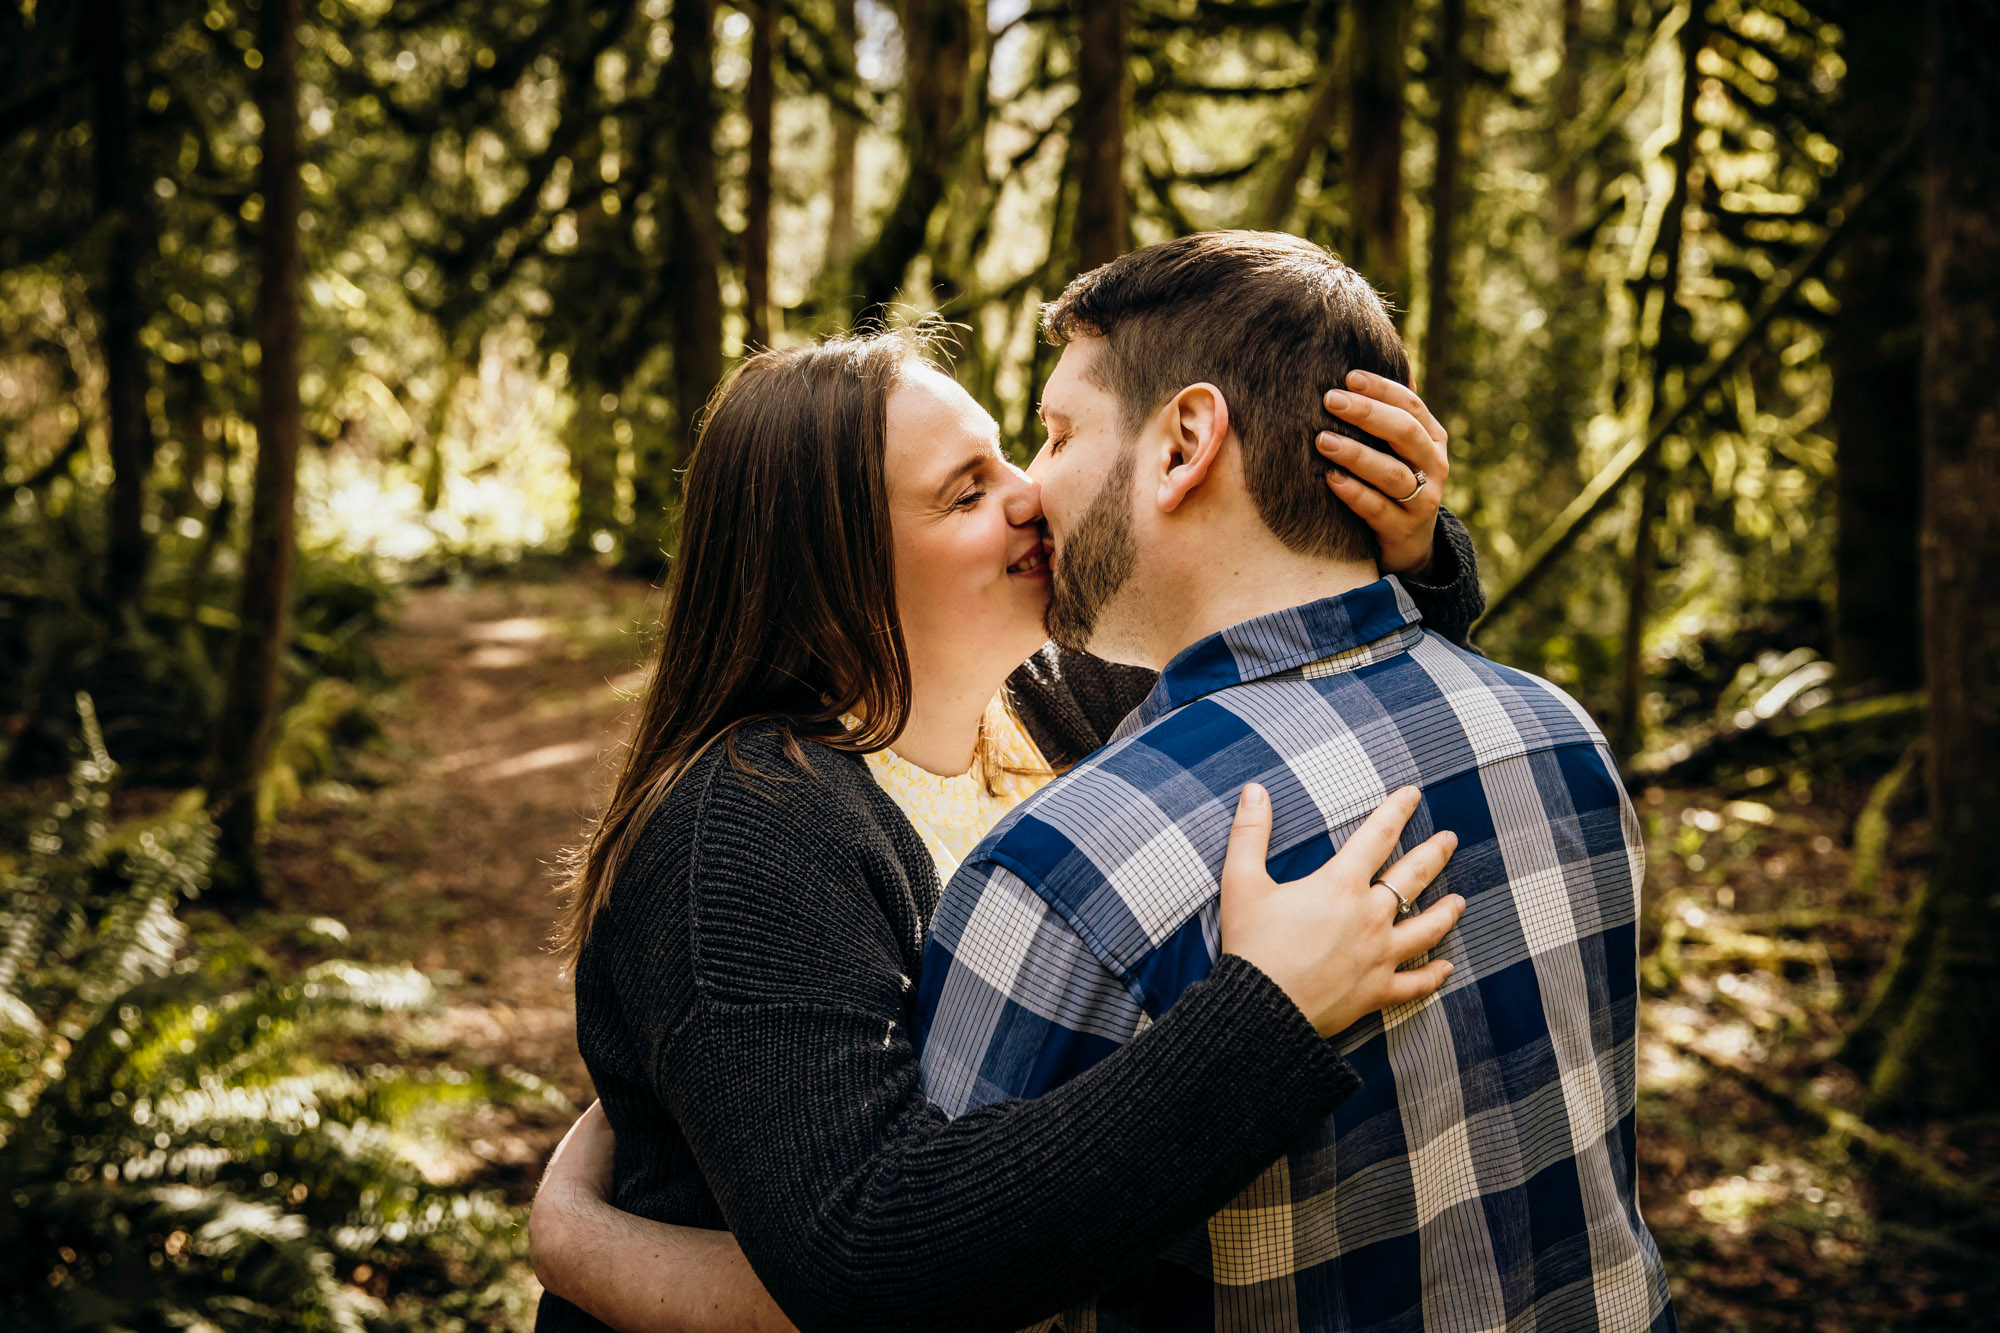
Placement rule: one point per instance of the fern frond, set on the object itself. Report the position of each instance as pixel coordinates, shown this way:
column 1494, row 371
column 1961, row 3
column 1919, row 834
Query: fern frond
column 175, row 1150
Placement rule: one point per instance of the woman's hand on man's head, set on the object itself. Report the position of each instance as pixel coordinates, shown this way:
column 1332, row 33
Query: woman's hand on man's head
column 1396, row 494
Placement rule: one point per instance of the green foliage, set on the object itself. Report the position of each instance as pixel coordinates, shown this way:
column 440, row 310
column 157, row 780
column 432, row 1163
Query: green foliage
column 177, row 1149
column 156, row 674
column 1572, row 344
column 490, row 347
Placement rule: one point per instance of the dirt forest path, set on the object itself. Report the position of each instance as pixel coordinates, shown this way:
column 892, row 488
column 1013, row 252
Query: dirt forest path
column 509, row 697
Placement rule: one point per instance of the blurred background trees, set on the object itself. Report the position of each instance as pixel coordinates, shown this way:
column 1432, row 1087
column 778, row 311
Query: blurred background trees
column 302, row 302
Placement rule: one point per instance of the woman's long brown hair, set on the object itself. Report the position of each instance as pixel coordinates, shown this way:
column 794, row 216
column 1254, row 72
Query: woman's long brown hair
column 782, row 599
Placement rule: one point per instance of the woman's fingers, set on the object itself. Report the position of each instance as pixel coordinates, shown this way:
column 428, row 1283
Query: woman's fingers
column 1410, row 876
column 1391, row 425
column 1406, row 531
column 1415, row 984
column 1399, row 395
column 1422, row 932
column 1371, row 844
column 1387, row 473
column 1249, row 840
column 1390, row 519
column 1413, row 873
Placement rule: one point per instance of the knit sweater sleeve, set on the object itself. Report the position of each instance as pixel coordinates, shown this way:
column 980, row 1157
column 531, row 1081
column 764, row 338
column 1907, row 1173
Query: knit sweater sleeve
column 1449, row 595
column 791, row 1073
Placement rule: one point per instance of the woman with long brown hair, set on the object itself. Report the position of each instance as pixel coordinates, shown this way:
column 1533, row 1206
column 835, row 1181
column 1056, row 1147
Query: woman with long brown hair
column 861, row 571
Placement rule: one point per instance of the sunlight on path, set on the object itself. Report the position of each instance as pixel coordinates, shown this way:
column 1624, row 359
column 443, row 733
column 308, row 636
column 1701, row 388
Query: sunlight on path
column 486, row 766
column 512, row 701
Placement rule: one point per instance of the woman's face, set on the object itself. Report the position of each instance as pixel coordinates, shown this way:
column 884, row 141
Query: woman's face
column 971, row 568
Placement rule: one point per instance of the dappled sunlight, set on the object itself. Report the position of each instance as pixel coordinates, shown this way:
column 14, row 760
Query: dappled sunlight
column 514, row 629
column 354, row 505
column 498, row 657
column 505, row 644
column 496, row 483
column 482, row 766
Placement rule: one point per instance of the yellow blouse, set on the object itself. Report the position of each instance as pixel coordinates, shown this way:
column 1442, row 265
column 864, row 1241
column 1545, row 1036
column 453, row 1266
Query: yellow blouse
column 954, row 813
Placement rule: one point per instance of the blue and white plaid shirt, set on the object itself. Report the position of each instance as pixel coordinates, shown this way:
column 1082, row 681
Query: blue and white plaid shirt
column 1483, row 1177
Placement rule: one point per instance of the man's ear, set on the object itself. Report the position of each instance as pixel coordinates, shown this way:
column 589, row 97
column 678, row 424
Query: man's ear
column 1196, row 422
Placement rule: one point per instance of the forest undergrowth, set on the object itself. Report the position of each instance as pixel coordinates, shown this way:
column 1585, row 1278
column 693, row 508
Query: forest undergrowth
column 1774, row 1205
column 1773, row 904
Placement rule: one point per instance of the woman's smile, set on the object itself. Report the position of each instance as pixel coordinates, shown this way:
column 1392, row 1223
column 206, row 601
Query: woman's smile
column 1034, row 564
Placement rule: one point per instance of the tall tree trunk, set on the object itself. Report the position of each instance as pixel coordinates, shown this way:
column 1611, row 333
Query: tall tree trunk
column 1944, row 1055
column 119, row 208
column 593, row 463
column 840, row 185
column 758, row 99
column 243, row 731
column 1377, row 71
column 1569, row 105
column 1877, row 351
column 1575, row 307
column 1282, row 195
column 1098, row 124
column 937, row 63
column 694, row 279
column 1671, row 351
column 1443, row 308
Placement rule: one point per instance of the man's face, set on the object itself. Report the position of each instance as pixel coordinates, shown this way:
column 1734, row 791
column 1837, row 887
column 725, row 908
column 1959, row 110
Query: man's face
column 1086, row 474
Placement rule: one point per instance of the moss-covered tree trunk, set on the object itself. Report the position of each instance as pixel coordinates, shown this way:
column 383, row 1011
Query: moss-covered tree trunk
column 759, row 100
column 593, row 464
column 1943, row 1056
column 249, row 708
column 1673, row 349
column 1569, row 103
column 937, row 66
column 105, row 33
column 1099, row 128
column 1441, row 313
column 693, row 279
column 1877, row 347
column 1377, row 73
column 1576, row 305
column 1316, row 126
column 840, row 173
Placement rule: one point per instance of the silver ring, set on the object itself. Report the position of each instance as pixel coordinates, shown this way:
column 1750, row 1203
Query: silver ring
column 1422, row 481
column 1404, row 907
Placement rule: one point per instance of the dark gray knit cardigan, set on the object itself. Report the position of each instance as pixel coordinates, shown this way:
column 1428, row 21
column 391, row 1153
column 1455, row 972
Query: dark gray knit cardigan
column 744, row 1007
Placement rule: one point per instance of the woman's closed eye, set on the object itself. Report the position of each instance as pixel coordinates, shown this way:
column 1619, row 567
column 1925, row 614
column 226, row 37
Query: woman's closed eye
column 969, row 499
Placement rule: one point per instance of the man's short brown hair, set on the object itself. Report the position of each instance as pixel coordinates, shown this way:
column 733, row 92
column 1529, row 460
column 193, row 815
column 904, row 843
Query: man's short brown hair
column 1272, row 321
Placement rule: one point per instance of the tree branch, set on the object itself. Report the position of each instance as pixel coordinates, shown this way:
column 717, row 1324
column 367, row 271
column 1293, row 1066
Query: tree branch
column 1560, row 535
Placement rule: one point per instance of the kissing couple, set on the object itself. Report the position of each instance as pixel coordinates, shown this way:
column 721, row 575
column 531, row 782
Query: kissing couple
column 1252, row 956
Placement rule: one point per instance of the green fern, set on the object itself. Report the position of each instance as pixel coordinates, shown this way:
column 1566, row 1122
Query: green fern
column 174, row 1153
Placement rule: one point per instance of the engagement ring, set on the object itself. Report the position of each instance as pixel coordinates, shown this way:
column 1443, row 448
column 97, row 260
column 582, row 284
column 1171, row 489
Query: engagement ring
column 1404, row 907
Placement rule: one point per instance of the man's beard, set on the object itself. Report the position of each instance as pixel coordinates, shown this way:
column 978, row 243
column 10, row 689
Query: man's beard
column 1095, row 559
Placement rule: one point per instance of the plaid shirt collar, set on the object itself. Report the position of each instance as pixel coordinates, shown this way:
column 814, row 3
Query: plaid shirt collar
column 1333, row 634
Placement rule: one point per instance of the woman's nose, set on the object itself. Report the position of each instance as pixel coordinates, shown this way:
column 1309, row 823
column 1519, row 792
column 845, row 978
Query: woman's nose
column 1023, row 504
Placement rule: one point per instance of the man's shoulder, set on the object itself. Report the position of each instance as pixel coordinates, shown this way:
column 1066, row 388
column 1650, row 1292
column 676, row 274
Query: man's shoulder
column 1123, row 847
column 1128, row 844
column 1531, row 713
